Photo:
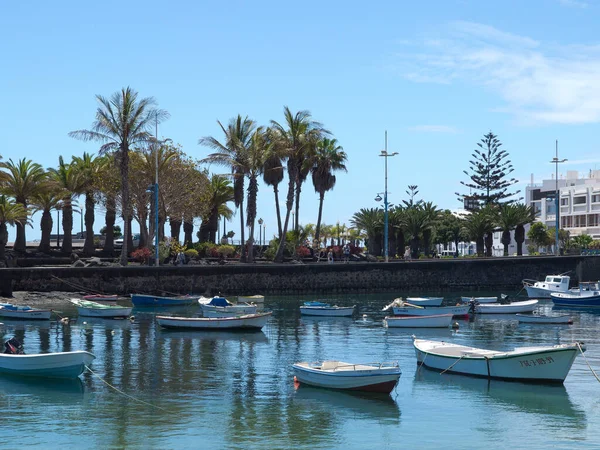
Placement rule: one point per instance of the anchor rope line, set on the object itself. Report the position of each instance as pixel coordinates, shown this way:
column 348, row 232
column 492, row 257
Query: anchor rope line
column 123, row 393
column 77, row 286
column 453, row 364
column 586, row 360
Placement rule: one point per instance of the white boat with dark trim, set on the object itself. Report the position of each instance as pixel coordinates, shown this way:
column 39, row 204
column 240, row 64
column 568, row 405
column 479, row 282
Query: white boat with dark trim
column 542, row 318
column 425, row 301
column 221, row 307
column 543, row 289
column 401, row 308
column 586, row 295
column 11, row 311
column 549, row 364
column 479, row 299
column 325, row 309
column 246, row 322
column 52, row 365
column 507, row 308
column 371, row 377
column 435, row 321
column 86, row 308
column 251, row 298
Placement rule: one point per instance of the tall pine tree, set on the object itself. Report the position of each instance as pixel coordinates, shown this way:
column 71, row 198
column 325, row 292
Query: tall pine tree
column 489, row 174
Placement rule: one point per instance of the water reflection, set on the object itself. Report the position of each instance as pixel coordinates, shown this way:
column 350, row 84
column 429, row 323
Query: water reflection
column 18, row 391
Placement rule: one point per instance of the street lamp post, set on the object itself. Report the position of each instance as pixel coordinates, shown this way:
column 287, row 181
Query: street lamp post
column 556, row 162
column 385, row 155
column 260, row 241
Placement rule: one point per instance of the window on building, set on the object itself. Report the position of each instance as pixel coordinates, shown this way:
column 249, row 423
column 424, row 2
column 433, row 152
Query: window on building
column 592, row 220
column 596, row 198
column 579, row 221
column 566, row 221
column 564, row 201
column 581, row 200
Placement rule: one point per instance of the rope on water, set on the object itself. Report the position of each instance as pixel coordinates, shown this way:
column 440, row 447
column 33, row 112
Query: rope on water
column 123, row 393
column 586, row 360
column 453, row 364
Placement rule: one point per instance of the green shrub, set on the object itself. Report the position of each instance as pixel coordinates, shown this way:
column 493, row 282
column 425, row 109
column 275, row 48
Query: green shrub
column 204, row 248
column 191, row 253
column 226, row 250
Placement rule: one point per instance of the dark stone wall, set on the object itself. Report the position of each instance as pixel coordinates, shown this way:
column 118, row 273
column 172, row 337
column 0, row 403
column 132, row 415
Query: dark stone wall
column 428, row 275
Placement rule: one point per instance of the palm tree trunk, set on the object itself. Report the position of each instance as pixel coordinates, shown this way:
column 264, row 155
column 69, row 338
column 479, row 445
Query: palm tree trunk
column 46, row 227
column 175, row 228
column 124, row 167
column 519, row 239
column 109, row 222
column 188, row 229
column 414, row 247
column 3, row 240
column 144, row 232
column 289, row 204
column 489, row 241
column 67, row 223
column 251, row 214
column 318, row 228
column 242, row 234
column 296, row 216
column 506, row 241
column 277, row 209
column 88, row 246
column 129, row 236
column 20, row 244
column 479, row 245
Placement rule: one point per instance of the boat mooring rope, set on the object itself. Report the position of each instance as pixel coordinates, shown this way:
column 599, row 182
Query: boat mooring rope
column 123, row 393
column 586, row 360
column 75, row 285
column 453, row 364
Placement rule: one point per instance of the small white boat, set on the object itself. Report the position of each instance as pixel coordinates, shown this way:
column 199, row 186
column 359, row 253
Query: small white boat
column 101, row 298
column 435, row 321
column 543, row 289
column 425, row 301
column 587, row 295
column 479, row 299
column 401, row 308
column 86, row 308
column 372, row 377
column 246, row 322
column 541, row 318
column 508, row 308
column 221, row 307
column 52, row 365
column 325, row 309
column 11, row 311
column 549, row 364
column 251, row 298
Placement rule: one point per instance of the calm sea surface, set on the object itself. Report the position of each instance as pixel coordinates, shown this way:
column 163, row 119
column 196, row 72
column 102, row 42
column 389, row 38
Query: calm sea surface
column 235, row 390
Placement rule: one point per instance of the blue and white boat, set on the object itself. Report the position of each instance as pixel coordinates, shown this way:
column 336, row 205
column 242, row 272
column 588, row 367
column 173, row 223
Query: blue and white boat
column 11, row 311
column 156, row 300
column 588, row 296
column 325, row 309
column 221, row 307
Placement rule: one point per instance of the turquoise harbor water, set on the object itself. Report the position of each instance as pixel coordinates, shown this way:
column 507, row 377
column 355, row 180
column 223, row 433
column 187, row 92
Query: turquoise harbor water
column 235, row 390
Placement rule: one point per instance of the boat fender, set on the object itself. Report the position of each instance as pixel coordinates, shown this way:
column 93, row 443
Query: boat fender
column 455, row 325
column 131, row 318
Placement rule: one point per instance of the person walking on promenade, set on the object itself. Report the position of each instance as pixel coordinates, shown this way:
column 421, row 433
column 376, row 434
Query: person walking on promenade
column 330, row 256
column 347, row 253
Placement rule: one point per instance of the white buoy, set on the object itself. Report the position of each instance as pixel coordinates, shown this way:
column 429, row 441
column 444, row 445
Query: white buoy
column 455, row 325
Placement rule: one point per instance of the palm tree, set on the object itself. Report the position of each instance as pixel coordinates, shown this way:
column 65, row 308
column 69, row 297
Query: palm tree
column 70, row 181
column 432, row 215
column 416, row 221
column 233, row 153
column 46, row 201
column 88, row 168
column 22, row 180
column 221, row 193
column 397, row 224
column 11, row 213
column 370, row 220
column 477, row 225
column 272, row 176
column 329, row 157
column 121, row 122
column 293, row 141
column 508, row 219
column 108, row 185
column 526, row 215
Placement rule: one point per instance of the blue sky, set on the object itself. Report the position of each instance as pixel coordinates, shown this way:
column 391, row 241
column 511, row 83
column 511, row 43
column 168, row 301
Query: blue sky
column 436, row 74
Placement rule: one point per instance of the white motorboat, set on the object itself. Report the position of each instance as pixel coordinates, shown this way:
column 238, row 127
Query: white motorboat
column 52, row 365
column 221, row 307
column 11, row 311
column 435, row 321
column 86, row 308
column 479, row 299
column 407, row 309
column 425, row 301
column 371, row 377
column 508, row 308
column 251, row 298
column 541, row 318
column 549, row 364
column 245, row 322
column 543, row 289
column 325, row 309
column 587, row 294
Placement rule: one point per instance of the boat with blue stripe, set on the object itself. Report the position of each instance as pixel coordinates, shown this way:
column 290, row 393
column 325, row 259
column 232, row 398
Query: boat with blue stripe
column 587, row 296
column 157, row 300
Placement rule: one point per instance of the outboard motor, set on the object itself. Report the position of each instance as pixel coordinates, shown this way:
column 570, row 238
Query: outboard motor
column 13, row 347
column 473, row 306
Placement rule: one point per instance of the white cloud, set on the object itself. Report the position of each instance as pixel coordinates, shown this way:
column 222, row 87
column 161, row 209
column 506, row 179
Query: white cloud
column 537, row 83
column 434, row 129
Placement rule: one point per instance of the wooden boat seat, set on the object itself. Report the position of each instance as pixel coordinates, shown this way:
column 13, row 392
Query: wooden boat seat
column 465, row 351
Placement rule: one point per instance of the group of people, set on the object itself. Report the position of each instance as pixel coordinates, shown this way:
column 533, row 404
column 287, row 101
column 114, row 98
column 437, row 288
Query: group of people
column 330, row 256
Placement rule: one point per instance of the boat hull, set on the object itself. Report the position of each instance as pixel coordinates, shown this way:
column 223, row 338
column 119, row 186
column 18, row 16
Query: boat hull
column 251, row 298
column 425, row 301
column 227, row 311
column 101, row 298
column 154, row 300
column 432, row 310
column 51, row 365
column 591, row 301
column 106, row 313
column 479, row 299
column 247, row 322
column 31, row 314
column 436, row 321
column 535, row 365
column 528, row 318
column 511, row 308
column 378, row 380
column 329, row 311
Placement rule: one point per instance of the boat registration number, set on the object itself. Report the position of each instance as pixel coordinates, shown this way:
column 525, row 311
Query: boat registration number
column 536, row 362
